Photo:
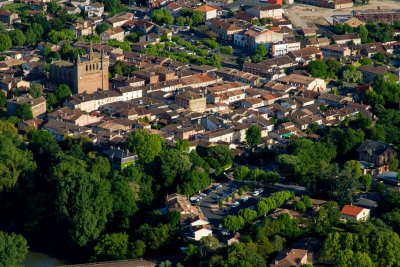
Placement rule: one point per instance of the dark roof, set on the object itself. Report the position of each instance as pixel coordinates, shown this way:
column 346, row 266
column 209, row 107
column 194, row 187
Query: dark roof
column 373, row 147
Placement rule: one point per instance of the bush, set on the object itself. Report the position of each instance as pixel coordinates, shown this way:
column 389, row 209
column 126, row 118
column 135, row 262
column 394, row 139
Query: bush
column 300, row 206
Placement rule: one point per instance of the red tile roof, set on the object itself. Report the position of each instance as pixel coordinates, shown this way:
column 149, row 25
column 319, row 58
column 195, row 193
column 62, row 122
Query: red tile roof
column 351, row 210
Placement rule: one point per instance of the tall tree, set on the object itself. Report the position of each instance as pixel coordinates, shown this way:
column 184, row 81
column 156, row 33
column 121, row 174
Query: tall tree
column 253, row 135
column 146, row 145
column 13, row 249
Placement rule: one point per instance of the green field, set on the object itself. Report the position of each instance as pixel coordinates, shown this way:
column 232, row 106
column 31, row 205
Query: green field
column 16, row 7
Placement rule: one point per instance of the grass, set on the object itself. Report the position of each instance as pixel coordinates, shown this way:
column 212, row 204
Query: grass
column 16, row 7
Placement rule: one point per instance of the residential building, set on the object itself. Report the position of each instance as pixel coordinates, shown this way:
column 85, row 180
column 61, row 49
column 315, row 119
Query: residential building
column 353, row 38
column 37, row 105
column 282, row 48
column 209, row 12
column 376, row 153
column 355, row 213
column 8, row 17
column 292, row 258
column 192, row 101
column 257, row 36
column 268, row 11
column 371, row 71
column 120, row 158
column 116, row 33
column 335, row 51
column 95, row 9
column 308, row 82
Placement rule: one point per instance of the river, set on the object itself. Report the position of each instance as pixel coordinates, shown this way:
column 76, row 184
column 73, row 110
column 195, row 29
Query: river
column 37, row 259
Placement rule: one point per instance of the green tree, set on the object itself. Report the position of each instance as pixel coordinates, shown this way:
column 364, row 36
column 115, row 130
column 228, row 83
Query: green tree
column 327, row 216
column 113, row 6
column 241, row 172
column 51, row 100
column 62, row 92
column 233, row 223
column 5, row 42
column 318, row 69
column 173, row 165
column 253, row 135
column 363, row 33
column 162, row 16
column 365, row 61
column 18, row 37
column 102, row 27
column 307, row 201
column 3, row 99
column 146, row 145
column 248, row 214
column 261, row 50
column 13, row 249
column 24, row 112
column 83, row 201
column 112, row 247
column 300, row 206
column 227, row 50
column 366, row 181
column 36, row 90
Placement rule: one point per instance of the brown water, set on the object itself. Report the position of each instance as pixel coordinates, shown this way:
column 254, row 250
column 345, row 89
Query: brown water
column 37, row 259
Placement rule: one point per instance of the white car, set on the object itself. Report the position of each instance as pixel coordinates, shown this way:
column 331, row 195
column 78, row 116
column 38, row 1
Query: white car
column 244, row 199
column 260, row 190
column 235, row 204
column 256, row 193
column 225, row 233
column 219, row 186
column 220, row 226
column 202, row 194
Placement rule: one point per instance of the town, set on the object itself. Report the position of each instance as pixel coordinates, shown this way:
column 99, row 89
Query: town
column 200, row 133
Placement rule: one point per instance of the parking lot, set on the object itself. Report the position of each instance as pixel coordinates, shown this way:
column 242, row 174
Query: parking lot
column 216, row 218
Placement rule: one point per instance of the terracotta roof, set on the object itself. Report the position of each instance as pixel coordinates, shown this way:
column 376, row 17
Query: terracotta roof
column 205, row 8
column 352, row 210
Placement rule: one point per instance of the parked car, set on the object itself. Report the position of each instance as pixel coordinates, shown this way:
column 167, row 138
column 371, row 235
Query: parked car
column 225, row 233
column 235, row 204
column 220, row 226
column 252, row 207
column 256, row 193
column 244, row 199
column 260, row 190
column 202, row 194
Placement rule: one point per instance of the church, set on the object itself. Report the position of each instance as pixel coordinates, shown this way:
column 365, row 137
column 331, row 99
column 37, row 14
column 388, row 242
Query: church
column 87, row 74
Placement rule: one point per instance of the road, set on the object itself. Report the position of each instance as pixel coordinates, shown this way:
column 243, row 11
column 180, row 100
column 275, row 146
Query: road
column 227, row 187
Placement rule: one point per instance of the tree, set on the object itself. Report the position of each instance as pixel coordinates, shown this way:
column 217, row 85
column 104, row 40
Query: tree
column 18, row 37
column 13, row 249
column 233, row 223
column 83, row 201
column 36, row 90
column 300, row 206
column 241, row 172
column 173, row 164
column 183, row 145
column 307, row 201
column 113, row 6
column 112, row 247
column 227, row 50
column 62, row 92
column 5, row 42
column 162, row 16
column 53, row 6
column 261, row 50
column 366, row 181
column 253, row 135
column 248, row 214
column 146, row 145
column 3, row 99
column 24, row 112
column 51, row 100
column 327, row 216
column 363, row 33
column 102, row 28
column 365, row 61
column 318, row 69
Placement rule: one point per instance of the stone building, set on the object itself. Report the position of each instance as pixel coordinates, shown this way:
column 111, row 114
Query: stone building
column 37, row 105
column 87, row 74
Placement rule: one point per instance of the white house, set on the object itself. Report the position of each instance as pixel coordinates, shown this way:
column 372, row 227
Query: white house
column 350, row 212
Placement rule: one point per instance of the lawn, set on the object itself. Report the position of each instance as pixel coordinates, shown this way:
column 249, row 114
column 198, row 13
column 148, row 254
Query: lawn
column 15, row 7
